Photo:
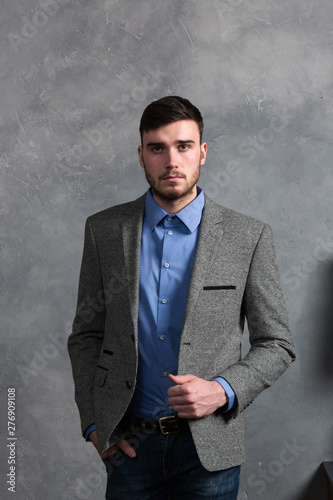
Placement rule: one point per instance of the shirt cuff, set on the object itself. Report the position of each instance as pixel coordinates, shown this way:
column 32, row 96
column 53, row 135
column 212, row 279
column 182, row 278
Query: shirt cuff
column 229, row 392
column 91, row 428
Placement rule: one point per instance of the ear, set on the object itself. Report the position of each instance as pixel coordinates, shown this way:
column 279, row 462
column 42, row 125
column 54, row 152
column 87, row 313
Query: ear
column 140, row 156
column 203, row 152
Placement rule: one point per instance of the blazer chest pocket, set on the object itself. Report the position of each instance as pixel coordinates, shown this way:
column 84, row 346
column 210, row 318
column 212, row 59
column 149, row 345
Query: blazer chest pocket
column 219, row 287
column 100, row 376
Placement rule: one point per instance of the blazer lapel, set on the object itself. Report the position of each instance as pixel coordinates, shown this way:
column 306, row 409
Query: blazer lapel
column 208, row 243
column 132, row 232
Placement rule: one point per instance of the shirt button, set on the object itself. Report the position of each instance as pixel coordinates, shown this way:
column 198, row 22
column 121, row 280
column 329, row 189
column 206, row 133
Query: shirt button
column 164, row 301
column 169, row 219
column 162, row 337
column 165, row 374
column 169, row 232
column 166, row 264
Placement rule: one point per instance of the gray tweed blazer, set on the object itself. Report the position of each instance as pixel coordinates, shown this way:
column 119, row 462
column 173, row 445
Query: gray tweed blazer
column 234, row 278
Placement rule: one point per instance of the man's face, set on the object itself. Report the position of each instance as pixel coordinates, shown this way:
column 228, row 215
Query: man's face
column 171, row 157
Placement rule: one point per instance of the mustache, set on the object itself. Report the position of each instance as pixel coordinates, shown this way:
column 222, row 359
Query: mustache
column 171, row 174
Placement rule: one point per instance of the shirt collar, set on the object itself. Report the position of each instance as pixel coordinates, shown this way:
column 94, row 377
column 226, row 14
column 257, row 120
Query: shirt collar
column 190, row 215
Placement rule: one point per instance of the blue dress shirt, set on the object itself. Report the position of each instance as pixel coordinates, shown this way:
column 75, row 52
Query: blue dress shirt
column 168, row 249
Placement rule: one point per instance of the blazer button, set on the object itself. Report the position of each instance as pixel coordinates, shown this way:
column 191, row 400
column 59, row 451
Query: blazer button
column 132, row 337
column 129, row 384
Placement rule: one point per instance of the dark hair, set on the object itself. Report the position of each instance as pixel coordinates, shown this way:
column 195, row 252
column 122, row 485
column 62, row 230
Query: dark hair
column 168, row 110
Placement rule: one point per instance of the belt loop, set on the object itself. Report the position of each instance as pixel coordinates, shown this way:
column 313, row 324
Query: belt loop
column 148, row 425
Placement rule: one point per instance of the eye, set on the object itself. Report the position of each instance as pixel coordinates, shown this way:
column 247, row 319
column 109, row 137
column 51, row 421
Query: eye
column 184, row 147
column 156, row 149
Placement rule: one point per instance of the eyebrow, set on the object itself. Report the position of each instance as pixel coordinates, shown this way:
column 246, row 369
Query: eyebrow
column 188, row 141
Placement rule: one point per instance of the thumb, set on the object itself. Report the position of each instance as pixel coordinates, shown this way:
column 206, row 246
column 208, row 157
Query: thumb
column 180, row 379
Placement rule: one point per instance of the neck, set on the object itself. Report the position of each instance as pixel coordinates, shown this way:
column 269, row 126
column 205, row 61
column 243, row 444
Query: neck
column 175, row 206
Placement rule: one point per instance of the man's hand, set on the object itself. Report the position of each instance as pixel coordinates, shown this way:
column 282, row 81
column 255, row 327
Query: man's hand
column 121, row 445
column 194, row 397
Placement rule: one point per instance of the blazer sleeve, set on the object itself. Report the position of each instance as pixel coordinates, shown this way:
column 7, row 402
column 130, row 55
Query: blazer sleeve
column 272, row 349
column 85, row 341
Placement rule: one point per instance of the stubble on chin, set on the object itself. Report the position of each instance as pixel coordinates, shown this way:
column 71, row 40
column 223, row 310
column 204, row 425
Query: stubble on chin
column 170, row 193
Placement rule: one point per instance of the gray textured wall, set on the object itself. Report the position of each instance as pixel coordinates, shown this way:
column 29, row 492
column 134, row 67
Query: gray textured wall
column 75, row 77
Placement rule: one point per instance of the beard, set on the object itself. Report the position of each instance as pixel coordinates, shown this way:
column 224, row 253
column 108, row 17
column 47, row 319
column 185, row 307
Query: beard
column 172, row 192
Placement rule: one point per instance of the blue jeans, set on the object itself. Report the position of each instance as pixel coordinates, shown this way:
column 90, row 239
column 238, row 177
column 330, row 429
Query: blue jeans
column 166, row 468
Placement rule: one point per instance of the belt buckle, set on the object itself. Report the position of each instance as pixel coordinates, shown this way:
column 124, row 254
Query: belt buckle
column 163, row 420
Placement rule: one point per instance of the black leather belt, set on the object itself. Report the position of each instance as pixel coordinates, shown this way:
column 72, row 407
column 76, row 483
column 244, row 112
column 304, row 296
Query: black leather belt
column 166, row 425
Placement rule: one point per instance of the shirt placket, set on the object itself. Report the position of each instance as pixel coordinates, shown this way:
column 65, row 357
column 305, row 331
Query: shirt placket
column 164, row 301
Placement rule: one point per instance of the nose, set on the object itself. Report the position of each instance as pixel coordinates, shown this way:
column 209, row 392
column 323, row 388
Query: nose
column 171, row 159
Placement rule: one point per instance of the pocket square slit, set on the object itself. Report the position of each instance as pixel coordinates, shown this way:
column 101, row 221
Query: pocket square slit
column 219, row 287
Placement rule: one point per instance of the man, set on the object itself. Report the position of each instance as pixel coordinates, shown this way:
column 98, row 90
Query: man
column 166, row 284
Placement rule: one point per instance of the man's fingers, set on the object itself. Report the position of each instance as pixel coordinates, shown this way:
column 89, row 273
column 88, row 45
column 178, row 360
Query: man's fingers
column 122, row 445
column 108, row 452
column 126, row 448
column 180, row 386
column 180, row 379
column 193, row 397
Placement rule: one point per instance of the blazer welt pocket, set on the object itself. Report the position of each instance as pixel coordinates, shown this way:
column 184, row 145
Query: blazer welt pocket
column 100, row 376
column 220, row 287
column 106, row 351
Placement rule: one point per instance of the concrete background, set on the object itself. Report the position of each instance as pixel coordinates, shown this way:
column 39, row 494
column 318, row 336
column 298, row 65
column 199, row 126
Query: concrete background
column 75, row 78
